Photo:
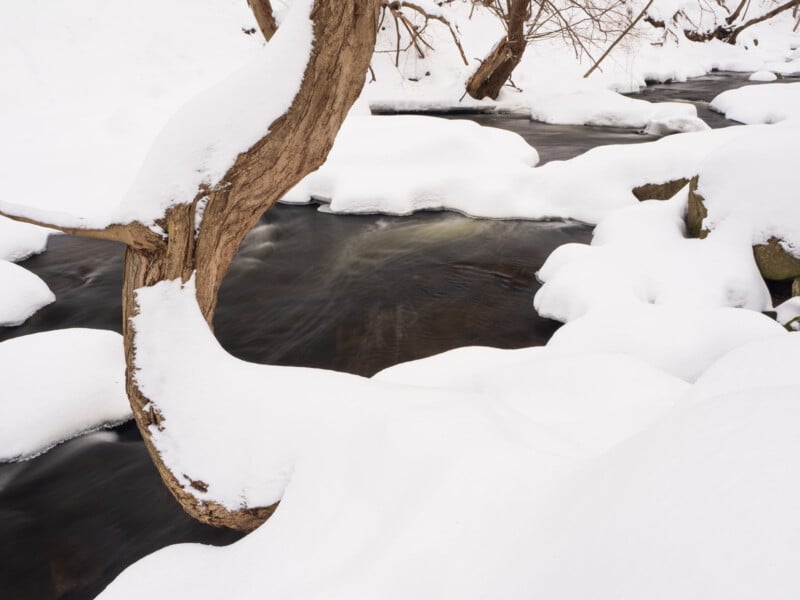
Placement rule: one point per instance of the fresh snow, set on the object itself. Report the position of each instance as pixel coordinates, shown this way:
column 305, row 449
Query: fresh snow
column 472, row 481
column 401, row 164
column 642, row 453
column 788, row 313
column 20, row 240
column 765, row 103
column 763, row 76
column 21, row 294
column 640, row 254
column 679, row 340
column 486, row 173
column 750, row 188
column 607, row 108
column 82, row 388
column 84, row 97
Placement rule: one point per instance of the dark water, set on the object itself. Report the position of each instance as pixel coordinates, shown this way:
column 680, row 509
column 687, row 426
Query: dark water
column 352, row 293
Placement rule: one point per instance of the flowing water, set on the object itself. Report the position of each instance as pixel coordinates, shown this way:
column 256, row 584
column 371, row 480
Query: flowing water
column 351, row 293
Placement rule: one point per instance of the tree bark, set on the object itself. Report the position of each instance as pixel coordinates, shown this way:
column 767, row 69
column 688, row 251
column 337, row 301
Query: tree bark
column 262, row 11
column 296, row 144
column 496, row 69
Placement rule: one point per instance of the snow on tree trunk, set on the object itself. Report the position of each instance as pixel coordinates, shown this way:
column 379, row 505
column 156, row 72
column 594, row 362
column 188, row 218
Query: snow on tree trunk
column 297, row 144
column 193, row 225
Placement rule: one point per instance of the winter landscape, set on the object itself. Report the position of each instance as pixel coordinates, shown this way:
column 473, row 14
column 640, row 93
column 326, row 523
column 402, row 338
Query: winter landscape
column 372, row 299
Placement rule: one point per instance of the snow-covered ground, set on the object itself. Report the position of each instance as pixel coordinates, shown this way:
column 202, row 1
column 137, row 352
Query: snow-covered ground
column 645, row 452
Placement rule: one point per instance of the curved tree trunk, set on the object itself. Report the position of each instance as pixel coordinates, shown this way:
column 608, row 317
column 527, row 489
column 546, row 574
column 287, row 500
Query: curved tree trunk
column 496, row 69
column 296, row 144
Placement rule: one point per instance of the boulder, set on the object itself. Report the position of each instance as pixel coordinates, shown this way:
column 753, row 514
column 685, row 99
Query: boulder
column 659, row 191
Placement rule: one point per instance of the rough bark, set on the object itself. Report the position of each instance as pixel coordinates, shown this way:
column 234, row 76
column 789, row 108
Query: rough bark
column 297, row 144
column 262, row 10
column 659, row 191
column 496, row 69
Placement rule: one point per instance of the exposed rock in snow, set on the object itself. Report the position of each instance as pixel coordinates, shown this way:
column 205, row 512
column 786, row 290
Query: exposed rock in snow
column 484, row 172
column 749, row 188
column 789, row 313
column 640, row 254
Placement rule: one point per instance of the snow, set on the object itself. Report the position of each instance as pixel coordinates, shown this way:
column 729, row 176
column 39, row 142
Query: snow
column 401, row 164
column 84, row 97
column 683, row 341
column 20, row 240
column 23, row 293
column 486, row 173
column 609, row 109
column 763, row 76
column 749, row 187
column 83, row 389
column 202, row 141
column 503, row 476
column 768, row 363
column 765, row 103
column 642, row 453
column 640, row 254
column 788, row 313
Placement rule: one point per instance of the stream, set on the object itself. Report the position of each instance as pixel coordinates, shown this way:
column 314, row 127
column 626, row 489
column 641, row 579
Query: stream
column 350, row 293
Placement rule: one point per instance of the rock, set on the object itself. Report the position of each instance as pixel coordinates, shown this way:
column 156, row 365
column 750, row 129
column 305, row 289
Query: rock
column 696, row 212
column 659, row 191
column 776, row 263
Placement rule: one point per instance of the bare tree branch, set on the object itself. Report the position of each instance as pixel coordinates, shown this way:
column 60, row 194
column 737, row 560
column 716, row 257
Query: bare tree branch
column 616, row 41
column 134, row 234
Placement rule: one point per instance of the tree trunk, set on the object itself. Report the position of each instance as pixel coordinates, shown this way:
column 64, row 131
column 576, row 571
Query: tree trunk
column 298, row 143
column 262, row 10
column 496, row 69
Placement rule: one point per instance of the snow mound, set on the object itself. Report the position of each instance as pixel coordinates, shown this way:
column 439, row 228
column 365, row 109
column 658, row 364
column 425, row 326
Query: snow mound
column 595, row 455
column 538, row 384
column 763, row 76
column 21, row 294
column 640, row 254
column 761, row 364
column 83, row 388
column 679, row 340
column 750, row 187
column 486, row 173
column 18, row 241
column 608, row 109
column 766, row 103
column 401, row 164
column 701, row 505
